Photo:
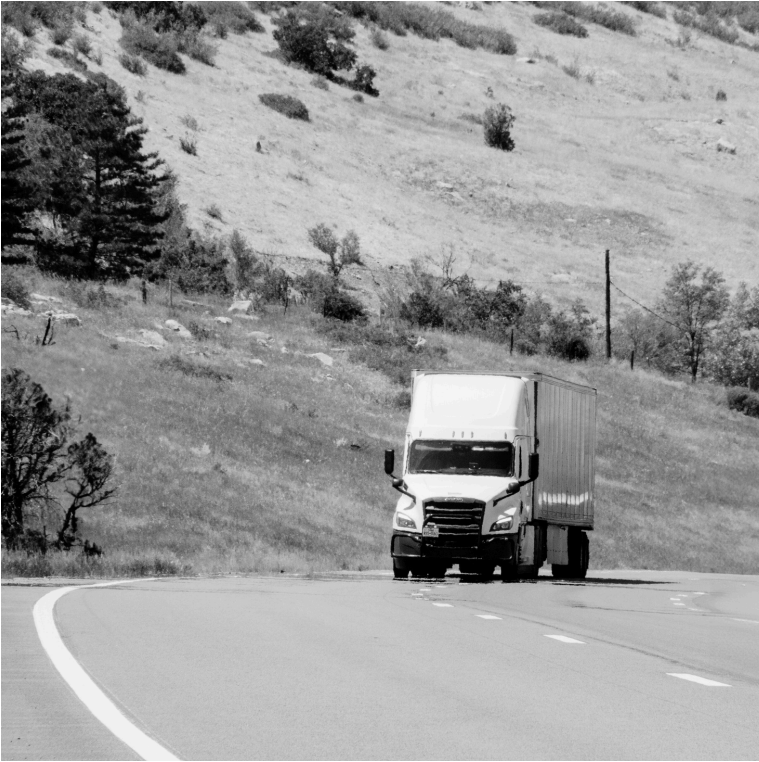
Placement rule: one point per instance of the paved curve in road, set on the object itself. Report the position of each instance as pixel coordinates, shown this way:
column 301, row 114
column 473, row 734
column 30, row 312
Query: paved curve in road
column 643, row 665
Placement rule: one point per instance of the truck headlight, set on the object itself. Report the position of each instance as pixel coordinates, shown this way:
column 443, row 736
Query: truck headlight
column 404, row 521
column 502, row 524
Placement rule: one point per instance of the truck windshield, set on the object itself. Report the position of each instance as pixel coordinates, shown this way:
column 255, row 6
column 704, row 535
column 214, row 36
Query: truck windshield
column 443, row 457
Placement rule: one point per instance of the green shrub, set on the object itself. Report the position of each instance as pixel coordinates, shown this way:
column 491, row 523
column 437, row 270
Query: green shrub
column 193, row 369
column 379, row 39
column 748, row 20
column 389, row 350
column 363, row 80
column 594, row 14
column 721, row 95
column 291, row 107
column 709, row 24
column 214, row 211
column 314, row 285
column 189, row 145
column 570, row 336
column 71, row 60
column 340, row 305
column 316, row 36
column 198, row 47
column 133, row 64
column 744, row 401
column 61, row 34
column 320, row 82
column 560, row 23
column 572, row 70
column 82, row 44
column 202, row 268
column 13, row 287
column 89, row 297
column 139, row 38
column 655, row 9
column 200, row 332
column 231, row 15
column 190, row 122
column 431, row 23
column 497, row 123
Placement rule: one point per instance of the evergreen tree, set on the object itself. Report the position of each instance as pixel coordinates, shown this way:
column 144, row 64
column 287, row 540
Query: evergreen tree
column 17, row 196
column 17, row 201
column 99, row 189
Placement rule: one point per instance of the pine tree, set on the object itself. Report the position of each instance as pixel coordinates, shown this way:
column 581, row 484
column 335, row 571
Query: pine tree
column 101, row 190
column 17, row 201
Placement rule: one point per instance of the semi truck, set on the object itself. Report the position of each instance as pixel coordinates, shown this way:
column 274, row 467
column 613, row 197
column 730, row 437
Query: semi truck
column 498, row 470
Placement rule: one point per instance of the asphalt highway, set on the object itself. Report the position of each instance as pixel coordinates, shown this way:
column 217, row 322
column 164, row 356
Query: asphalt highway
column 625, row 665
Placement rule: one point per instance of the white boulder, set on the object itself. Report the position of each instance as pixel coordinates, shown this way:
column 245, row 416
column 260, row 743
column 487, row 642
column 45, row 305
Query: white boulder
column 242, row 307
column 323, row 359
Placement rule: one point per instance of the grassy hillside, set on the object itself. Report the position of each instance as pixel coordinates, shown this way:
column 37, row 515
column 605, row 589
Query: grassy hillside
column 228, row 466
column 627, row 163
column 225, row 465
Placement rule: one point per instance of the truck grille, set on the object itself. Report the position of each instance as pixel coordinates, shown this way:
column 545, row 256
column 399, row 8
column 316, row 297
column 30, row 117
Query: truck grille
column 460, row 524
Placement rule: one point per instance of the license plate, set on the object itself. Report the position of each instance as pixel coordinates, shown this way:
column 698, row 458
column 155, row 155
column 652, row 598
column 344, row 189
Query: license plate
column 431, row 530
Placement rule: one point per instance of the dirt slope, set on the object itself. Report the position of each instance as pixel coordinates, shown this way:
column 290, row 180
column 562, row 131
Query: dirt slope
column 627, row 163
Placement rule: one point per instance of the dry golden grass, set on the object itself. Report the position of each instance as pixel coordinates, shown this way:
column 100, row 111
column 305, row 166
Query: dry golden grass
column 258, row 473
column 214, row 475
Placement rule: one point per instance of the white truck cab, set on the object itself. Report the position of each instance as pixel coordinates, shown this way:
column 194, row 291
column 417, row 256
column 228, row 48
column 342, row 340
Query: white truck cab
column 498, row 470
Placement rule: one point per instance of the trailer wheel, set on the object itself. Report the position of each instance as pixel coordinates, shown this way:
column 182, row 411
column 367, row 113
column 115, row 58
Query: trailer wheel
column 509, row 573
column 400, row 571
column 579, row 555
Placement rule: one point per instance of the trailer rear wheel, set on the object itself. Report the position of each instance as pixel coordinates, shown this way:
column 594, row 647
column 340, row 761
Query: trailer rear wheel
column 509, row 573
column 578, row 551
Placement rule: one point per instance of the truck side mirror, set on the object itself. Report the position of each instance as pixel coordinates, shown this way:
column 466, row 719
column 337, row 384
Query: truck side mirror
column 389, row 462
column 533, row 468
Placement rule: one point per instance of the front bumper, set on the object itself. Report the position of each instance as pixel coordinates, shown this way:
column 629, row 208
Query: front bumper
column 489, row 548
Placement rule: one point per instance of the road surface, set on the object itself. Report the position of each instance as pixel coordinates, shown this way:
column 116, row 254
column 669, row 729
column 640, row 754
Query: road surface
column 626, row 665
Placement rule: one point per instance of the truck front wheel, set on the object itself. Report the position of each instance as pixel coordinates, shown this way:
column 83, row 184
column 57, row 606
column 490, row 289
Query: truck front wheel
column 400, row 571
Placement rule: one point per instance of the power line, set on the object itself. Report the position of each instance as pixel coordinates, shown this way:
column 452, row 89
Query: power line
column 643, row 306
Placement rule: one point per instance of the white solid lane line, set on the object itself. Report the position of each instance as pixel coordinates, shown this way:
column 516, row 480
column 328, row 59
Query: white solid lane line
column 750, row 621
column 565, row 639
column 487, row 616
column 82, row 684
column 699, row 680
column 444, row 605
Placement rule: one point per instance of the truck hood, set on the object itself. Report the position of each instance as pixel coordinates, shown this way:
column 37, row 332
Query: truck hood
column 485, row 488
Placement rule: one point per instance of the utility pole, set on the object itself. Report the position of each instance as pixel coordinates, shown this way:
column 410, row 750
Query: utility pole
column 608, row 308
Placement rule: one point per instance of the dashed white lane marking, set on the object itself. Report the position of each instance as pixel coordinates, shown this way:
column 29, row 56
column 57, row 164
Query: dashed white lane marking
column 487, row 616
column 674, row 599
column 750, row 621
column 425, row 589
column 444, row 605
column 565, row 639
column 699, row 680
column 82, row 684
column 678, row 604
